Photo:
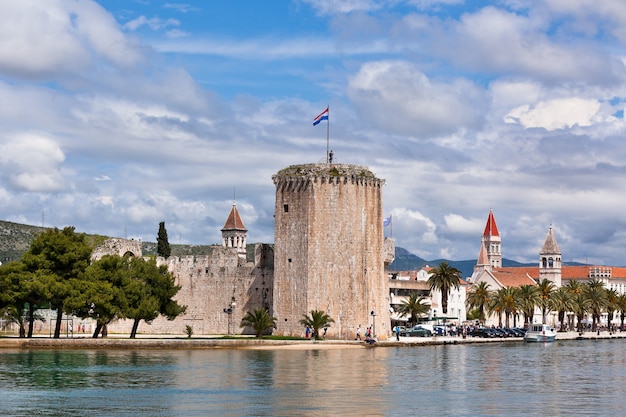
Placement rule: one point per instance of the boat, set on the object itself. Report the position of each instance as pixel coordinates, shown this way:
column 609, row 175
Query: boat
column 540, row 333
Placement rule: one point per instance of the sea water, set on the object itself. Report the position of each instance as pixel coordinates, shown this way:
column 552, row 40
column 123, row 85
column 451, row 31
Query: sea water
column 565, row 378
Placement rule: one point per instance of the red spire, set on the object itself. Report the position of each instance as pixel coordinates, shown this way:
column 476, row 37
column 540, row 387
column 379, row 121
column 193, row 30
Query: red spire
column 234, row 221
column 491, row 229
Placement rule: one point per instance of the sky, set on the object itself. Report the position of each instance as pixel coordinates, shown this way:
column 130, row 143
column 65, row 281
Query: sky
column 119, row 114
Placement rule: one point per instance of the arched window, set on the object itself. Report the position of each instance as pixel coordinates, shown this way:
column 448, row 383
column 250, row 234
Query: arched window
column 544, row 262
column 550, row 262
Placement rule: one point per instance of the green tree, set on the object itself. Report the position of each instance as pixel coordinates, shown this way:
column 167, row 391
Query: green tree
column 612, row 305
column 56, row 257
column 149, row 291
column 562, row 301
column 505, row 302
column 527, row 299
column 581, row 307
column 596, row 295
column 414, row 306
column 316, row 319
column 622, row 309
column 163, row 246
column 444, row 278
column 575, row 289
column 100, row 295
column 260, row 320
column 478, row 298
column 545, row 289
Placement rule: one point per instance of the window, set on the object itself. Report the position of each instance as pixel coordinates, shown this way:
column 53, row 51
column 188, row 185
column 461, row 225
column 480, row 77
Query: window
column 286, row 208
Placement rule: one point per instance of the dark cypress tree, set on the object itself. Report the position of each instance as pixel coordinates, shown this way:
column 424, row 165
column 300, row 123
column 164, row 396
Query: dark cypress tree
column 163, row 246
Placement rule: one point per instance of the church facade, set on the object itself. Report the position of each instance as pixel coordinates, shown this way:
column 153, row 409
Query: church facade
column 489, row 268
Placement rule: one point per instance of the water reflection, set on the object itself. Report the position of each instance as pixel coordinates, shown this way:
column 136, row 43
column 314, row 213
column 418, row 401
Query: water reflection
column 584, row 378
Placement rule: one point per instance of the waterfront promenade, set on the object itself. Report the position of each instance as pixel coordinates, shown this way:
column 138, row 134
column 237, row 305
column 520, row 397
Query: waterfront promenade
column 217, row 342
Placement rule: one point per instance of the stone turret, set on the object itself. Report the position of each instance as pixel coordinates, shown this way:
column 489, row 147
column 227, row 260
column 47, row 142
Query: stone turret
column 329, row 251
column 234, row 232
column 550, row 260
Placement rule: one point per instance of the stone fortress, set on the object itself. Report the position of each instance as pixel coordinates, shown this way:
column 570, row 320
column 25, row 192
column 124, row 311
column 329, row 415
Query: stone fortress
column 329, row 254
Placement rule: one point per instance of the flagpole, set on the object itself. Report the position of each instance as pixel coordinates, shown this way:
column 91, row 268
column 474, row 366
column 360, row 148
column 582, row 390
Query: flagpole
column 391, row 226
column 328, row 134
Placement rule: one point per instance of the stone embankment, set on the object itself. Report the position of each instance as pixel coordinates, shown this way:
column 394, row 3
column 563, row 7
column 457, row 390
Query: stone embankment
column 176, row 342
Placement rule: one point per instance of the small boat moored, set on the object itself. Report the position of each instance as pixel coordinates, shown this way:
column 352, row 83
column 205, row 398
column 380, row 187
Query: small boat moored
column 540, row 333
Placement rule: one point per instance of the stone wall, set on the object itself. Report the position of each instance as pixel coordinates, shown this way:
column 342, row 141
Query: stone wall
column 117, row 246
column 209, row 285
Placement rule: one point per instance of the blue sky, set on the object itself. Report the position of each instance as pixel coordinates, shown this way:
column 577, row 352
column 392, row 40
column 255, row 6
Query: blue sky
column 119, row 114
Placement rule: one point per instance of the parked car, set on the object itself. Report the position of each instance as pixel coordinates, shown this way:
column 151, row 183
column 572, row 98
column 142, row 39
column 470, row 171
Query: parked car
column 416, row 331
column 478, row 332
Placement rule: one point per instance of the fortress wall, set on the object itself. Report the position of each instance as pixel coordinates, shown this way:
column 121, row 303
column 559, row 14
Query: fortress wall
column 208, row 285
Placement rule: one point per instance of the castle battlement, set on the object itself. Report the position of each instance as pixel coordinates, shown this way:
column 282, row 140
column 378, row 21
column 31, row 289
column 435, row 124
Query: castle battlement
column 298, row 176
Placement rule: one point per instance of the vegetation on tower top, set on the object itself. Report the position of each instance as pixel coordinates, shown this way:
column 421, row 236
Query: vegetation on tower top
column 333, row 170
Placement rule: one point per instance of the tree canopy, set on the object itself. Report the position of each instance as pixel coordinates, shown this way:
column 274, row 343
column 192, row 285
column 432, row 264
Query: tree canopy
column 57, row 257
column 316, row 319
column 260, row 320
column 444, row 278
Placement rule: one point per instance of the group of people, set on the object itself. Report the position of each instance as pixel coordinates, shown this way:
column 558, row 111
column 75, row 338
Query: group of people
column 369, row 337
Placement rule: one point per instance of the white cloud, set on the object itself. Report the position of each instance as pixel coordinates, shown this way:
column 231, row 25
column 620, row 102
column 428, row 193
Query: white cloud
column 396, row 97
column 32, row 161
column 62, row 38
column 557, row 114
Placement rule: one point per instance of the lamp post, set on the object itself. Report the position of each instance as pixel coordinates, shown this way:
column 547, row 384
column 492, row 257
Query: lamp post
column 373, row 314
column 228, row 311
column 233, row 304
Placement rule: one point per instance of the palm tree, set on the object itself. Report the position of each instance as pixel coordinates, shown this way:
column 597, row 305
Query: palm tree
column 562, row 301
column 414, row 306
column 595, row 293
column 316, row 319
column 622, row 309
column 260, row 320
column 505, row 302
column 581, row 306
column 444, row 278
column 527, row 299
column 545, row 288
column 574, row 288
column 612, row 304
column 478, row 297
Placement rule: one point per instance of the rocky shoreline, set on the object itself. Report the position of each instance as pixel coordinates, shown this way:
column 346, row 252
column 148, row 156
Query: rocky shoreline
column 177, row 342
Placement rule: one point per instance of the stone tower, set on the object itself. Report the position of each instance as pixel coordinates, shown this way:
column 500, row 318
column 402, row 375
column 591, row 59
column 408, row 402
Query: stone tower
column 329, row 249
column 234, row 233
column 550, row 260
column 492, row 241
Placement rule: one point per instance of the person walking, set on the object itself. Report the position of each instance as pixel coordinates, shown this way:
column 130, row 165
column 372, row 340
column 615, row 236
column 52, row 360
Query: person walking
column 398, row 333
column 358, row 333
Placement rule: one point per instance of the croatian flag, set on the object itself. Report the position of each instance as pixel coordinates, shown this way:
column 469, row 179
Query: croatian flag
column 322, row 116
column 387, row 221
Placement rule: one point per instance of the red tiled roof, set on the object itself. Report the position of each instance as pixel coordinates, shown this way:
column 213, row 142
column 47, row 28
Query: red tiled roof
column 582, row 272
column 491, row 229
column 513, row 277
column 234, row 221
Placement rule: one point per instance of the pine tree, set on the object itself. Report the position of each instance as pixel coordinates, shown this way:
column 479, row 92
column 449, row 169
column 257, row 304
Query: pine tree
column 163, row 246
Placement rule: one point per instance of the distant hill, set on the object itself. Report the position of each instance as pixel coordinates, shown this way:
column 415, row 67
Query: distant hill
column 15, row 239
